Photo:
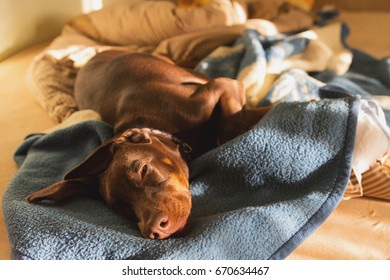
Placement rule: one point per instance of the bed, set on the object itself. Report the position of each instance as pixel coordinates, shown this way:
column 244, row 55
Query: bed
column 357, row 229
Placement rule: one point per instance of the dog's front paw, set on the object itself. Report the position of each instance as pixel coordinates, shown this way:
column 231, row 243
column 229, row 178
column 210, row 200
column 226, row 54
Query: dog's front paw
column 136, row 135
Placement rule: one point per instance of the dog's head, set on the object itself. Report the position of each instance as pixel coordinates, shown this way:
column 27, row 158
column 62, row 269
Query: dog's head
column 140, row 174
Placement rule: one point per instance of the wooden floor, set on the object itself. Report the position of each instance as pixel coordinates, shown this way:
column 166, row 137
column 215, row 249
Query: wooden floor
column 19, row 116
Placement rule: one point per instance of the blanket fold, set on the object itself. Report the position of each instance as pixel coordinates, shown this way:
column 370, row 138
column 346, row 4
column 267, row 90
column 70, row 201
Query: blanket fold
column 257, row 59
column 256, row 197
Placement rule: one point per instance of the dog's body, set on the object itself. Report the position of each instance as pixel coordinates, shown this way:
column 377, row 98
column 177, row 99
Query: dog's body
column 151, row 103
column 138, row 90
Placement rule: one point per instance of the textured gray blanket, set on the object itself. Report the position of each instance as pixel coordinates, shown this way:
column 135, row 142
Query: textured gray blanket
column 256, row 197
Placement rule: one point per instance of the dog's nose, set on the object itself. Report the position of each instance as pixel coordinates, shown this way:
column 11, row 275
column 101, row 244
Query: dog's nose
column 158, row 228
column 163, row 227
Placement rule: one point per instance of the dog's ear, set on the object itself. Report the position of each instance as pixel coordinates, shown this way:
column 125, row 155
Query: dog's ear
column 80, row 180
column 95, row 164
column 61, row 191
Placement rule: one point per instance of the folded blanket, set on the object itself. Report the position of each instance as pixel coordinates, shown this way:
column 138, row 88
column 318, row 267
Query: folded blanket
column 370, row 176
column 257, row 60
column 368, row 77
column 256, row 197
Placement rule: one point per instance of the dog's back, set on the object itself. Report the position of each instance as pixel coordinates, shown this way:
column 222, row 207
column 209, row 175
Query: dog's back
column 139, row 90
column 134, row 88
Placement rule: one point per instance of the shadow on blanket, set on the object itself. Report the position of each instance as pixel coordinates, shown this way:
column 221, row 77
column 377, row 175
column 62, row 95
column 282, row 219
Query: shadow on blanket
column 256, row 197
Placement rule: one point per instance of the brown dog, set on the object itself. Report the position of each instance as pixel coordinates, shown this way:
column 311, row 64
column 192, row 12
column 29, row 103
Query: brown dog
column 151, row 103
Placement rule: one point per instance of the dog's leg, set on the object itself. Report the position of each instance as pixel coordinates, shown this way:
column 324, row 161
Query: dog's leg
column 226, row 97
column 234, row 118
column 254, row 115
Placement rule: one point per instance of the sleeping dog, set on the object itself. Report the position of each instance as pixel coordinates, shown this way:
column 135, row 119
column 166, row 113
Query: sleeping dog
column 161, row 114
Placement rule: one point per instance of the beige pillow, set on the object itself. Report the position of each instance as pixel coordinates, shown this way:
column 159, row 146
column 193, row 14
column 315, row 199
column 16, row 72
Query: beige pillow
column 140, row 22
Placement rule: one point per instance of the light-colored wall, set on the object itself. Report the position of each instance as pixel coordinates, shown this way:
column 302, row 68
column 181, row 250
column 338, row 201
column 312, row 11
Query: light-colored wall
column 27, row 22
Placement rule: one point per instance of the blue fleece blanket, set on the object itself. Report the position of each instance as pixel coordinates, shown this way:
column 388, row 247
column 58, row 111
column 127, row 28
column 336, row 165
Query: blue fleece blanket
column 256, row 197
column 367, row 77
column 254, row 56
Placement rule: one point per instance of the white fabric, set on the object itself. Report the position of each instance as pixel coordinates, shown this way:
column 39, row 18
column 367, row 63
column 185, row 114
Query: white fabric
column 372, row 137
